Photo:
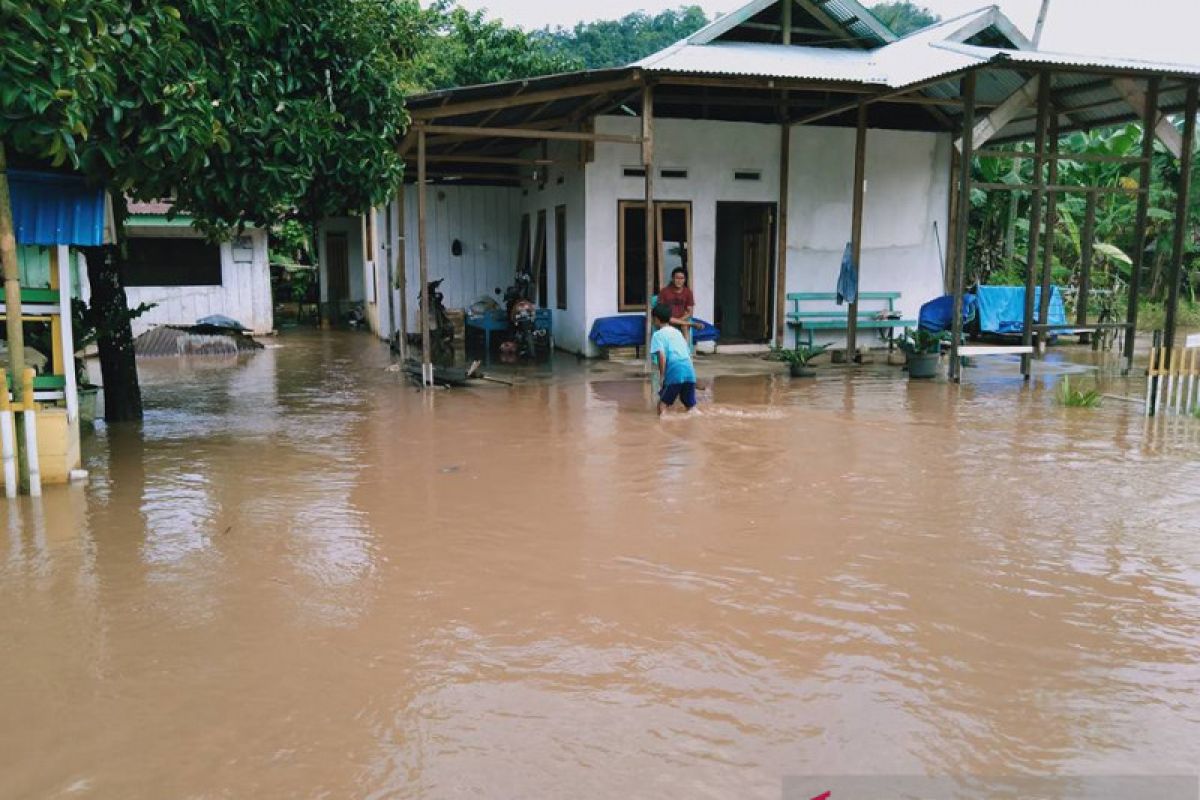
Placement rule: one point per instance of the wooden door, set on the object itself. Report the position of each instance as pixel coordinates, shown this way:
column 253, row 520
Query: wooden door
column 756, row 274
column 337, row 267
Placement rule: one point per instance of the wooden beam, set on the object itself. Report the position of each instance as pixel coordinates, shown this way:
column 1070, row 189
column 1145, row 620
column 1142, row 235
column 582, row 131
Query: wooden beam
column 748, row 82
column 1166, row 132
column 469, row 159
column 1059, row 188
column 402, row 271
column 1086, row 241
column 766, row 26
column 967, row 91
column 1150, row 111
column 1099, row 158
column 786, row 22
column 856, row 223
column 511, row 101
column 878, row 97
column 817, row 12
column 1182, row 199
column 1035, row 221
column 530, row 133
column 781, row 229
column 1004, row 113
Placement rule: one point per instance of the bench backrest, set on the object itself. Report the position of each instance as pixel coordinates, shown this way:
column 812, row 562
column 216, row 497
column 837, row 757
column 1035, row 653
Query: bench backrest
column 796, row 298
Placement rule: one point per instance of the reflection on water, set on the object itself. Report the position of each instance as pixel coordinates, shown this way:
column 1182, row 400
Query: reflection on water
column 300, row 577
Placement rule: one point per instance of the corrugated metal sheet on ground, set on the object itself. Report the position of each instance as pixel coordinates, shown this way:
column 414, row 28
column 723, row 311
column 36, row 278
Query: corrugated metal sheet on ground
column 49, row 208
column 168, row 341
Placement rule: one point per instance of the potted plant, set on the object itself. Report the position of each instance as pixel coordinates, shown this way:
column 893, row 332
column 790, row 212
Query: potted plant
column 797, row 359
column 922, row 351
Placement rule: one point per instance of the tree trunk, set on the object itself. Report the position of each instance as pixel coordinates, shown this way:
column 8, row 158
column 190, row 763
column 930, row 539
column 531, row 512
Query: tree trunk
column 114, row 335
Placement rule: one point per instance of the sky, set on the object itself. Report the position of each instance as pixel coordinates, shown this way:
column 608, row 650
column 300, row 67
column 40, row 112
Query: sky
column 1160, row 30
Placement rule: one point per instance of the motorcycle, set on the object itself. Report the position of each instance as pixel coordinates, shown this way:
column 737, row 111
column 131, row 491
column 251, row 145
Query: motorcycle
column 522, row 319
column 441, row 330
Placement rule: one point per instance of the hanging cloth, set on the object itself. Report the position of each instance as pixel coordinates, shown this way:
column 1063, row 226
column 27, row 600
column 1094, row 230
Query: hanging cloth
column 847, row 284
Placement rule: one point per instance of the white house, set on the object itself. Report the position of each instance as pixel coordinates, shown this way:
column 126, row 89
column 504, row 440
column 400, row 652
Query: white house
column 188, row 277
column 753, row 129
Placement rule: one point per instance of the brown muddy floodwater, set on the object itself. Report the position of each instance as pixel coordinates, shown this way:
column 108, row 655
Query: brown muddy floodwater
column 301, row 578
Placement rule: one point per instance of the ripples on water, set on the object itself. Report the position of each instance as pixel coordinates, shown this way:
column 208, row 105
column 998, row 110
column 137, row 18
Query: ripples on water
column 302, row 578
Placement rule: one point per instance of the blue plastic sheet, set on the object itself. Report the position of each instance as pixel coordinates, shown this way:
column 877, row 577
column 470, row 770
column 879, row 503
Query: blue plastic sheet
column 1002, row 308
column 937, row 314
column 630, row 329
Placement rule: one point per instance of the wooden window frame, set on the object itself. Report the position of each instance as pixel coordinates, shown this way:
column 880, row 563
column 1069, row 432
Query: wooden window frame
column 541, row 280
column 659, row 207
column 560, row 257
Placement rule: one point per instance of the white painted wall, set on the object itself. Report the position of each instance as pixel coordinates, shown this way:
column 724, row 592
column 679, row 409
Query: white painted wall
column 244, row 293
column 484, row 219
column 571, row 324
column 907, row 186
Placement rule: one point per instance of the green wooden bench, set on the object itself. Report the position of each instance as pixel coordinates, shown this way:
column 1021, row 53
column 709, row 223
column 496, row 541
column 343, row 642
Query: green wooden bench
column 834, row 317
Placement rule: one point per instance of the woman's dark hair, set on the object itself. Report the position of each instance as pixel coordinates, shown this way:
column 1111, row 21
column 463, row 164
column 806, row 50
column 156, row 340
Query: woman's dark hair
column 679, row 271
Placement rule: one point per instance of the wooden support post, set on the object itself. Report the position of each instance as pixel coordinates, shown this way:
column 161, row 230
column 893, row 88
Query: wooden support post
column 1182, row 198
column 952, row 223
column 781, row 230
column 423, row 261
column 1035, row 217
column 1150, row 114
column 1048, row 244
column 13, row 324
column 856, row 221
column 1086, row 253
column 786, row 22
column 402, row 271
column 959, row 267
column 648, row 164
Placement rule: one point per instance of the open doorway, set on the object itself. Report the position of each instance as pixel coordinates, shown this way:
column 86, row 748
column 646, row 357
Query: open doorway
column 744, row 291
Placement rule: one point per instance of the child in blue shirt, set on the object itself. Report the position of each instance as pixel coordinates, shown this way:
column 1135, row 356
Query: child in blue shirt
column 673, row 358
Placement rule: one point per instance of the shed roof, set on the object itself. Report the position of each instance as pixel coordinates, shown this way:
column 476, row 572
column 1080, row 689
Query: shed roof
column 52, row 208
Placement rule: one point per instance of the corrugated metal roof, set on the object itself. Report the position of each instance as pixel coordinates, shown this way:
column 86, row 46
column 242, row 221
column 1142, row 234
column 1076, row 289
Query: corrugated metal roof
column 1048, row 59
column 50, row 208
column 767, row 60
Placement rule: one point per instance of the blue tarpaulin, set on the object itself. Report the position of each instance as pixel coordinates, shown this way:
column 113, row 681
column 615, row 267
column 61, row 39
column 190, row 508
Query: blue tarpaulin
column 1002, row 308
column 630, row 329
column 50, row 208
column 936, row 315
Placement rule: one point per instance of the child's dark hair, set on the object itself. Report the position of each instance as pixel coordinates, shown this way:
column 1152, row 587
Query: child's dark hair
column 662, row 313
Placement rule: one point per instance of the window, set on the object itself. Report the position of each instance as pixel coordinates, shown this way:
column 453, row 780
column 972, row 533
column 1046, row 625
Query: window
column 171, row 261
column 539, row 259
column 672, row 173
column 746, row 175
column 560, row 256
column 673, row 236
column 634, row 172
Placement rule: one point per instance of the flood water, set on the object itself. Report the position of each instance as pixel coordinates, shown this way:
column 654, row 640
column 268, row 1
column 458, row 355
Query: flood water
column 302, row 578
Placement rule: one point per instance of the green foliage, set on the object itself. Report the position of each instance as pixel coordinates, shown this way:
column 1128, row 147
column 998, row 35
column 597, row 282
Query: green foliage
column 904, row 17
column 920, row 341
column 1076, row 398
column 1152, row 315
column 615, row 43
column 289, row 241
column 797, row 356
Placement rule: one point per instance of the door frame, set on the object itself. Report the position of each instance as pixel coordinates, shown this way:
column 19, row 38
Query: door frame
column 772, row 209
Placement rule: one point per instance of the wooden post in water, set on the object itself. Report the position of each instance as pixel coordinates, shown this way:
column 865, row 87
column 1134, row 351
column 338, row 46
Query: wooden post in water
column 856, row 221
column 781, row 230
column 1086, row 253
column 1182, row 199
column 1150, row 117
column 1035, row 216
column 423, row 261
column 13, row 322
column 1048, row 244
column 959, row 267
column 648, row 166
column 402, row 272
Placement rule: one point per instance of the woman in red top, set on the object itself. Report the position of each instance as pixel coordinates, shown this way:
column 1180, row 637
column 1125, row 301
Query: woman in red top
column 678, row 297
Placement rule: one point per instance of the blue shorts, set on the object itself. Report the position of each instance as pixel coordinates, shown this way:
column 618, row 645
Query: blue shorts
column 685, row 392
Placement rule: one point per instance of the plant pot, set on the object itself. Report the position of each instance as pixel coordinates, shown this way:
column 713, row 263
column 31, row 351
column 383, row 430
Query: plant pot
column 87, row 403
column 923, row 365
column 801, row 371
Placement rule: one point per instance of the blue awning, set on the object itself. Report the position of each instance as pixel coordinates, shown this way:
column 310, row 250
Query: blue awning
column 50, row 208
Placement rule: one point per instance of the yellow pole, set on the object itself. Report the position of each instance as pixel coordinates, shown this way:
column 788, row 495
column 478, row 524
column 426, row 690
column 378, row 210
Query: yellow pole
column 8, row 434
column 31, row 449
column 12, row 280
